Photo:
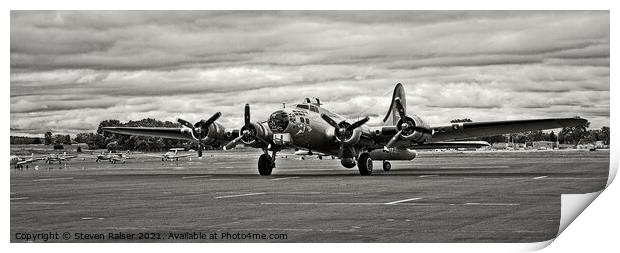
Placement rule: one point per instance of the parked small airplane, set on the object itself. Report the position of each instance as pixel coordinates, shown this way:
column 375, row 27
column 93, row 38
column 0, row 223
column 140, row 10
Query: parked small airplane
column 172, row 154
column 111, row 157
column 119, row 158
column 58, row 158
column 311, row 127
column 19, row 162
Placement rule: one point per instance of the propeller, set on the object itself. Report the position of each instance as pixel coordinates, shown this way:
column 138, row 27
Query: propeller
column 247, row 133
column 200, row 129
column 344, row 130
column 406, row 127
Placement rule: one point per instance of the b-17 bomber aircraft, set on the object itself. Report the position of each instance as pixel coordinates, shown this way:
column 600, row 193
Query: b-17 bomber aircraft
column 172, row 154
column 311, row 127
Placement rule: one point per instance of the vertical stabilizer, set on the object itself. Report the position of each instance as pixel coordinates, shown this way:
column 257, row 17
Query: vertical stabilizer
column 392, row 116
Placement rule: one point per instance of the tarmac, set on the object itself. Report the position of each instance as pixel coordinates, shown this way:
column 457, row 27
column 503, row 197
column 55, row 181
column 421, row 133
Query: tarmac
column 437, row 197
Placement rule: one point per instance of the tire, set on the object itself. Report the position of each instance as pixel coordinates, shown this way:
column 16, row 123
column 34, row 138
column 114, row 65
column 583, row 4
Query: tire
column 264, row 165
column 387, row 166
column 364, row 164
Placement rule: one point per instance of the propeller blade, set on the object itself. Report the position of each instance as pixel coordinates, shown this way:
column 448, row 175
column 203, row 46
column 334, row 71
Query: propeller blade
column 261, row 140
column 400, row 107
column 185, row 123
column 392, row 141
column 233, row 143
column 358, row 123
column 246, row 115
column 329, row 120
column 212, row 119
column 204, row 124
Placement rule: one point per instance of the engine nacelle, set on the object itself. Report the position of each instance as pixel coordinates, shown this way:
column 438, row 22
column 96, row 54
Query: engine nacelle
column 215, row 131
column 414, row 129
column 393, row 154
column 351, row 137
column 348, row 162
column 354, row 138
column 260, row 130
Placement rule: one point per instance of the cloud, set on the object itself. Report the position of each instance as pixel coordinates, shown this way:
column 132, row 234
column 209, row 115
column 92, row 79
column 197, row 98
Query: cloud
column 72, row 69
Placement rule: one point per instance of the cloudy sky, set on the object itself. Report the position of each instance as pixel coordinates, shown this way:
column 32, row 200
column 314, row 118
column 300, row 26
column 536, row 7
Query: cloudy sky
column 71, row 70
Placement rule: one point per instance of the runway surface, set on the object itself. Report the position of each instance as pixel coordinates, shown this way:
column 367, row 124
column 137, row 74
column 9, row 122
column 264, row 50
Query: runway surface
column 437, row 197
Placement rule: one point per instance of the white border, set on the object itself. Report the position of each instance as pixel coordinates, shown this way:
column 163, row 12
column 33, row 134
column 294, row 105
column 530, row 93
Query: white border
column 594, row 229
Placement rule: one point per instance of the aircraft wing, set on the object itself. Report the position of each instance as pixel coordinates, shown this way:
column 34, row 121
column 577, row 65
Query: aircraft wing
column 181, row 156
column 452, row 144
column 156, row 156
column 458, row 131
column 25, row 162
column 171, row 133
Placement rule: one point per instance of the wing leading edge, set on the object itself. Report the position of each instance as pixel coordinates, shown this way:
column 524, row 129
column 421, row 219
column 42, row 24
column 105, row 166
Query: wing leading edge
column 459, row 131
column 171, row 133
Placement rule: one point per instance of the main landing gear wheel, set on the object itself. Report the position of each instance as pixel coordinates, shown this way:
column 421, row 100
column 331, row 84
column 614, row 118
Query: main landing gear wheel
column 364, row 164
column 265, row 166
column 387, row 166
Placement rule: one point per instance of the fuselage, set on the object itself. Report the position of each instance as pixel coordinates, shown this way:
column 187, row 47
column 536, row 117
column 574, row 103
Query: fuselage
column 307, row 130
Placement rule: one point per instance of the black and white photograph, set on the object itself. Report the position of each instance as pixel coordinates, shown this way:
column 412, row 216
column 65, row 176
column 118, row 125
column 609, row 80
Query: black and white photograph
column 308, row 126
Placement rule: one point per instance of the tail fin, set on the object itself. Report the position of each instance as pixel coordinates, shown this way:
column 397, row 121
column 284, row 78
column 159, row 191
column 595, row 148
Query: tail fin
column 392, row 117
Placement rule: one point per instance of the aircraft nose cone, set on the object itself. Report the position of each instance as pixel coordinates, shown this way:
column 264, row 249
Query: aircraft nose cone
column 278, row 121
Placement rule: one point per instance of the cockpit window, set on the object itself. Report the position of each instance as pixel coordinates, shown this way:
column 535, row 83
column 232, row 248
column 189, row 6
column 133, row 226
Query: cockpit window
column 313, row 108
column 302, row 106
